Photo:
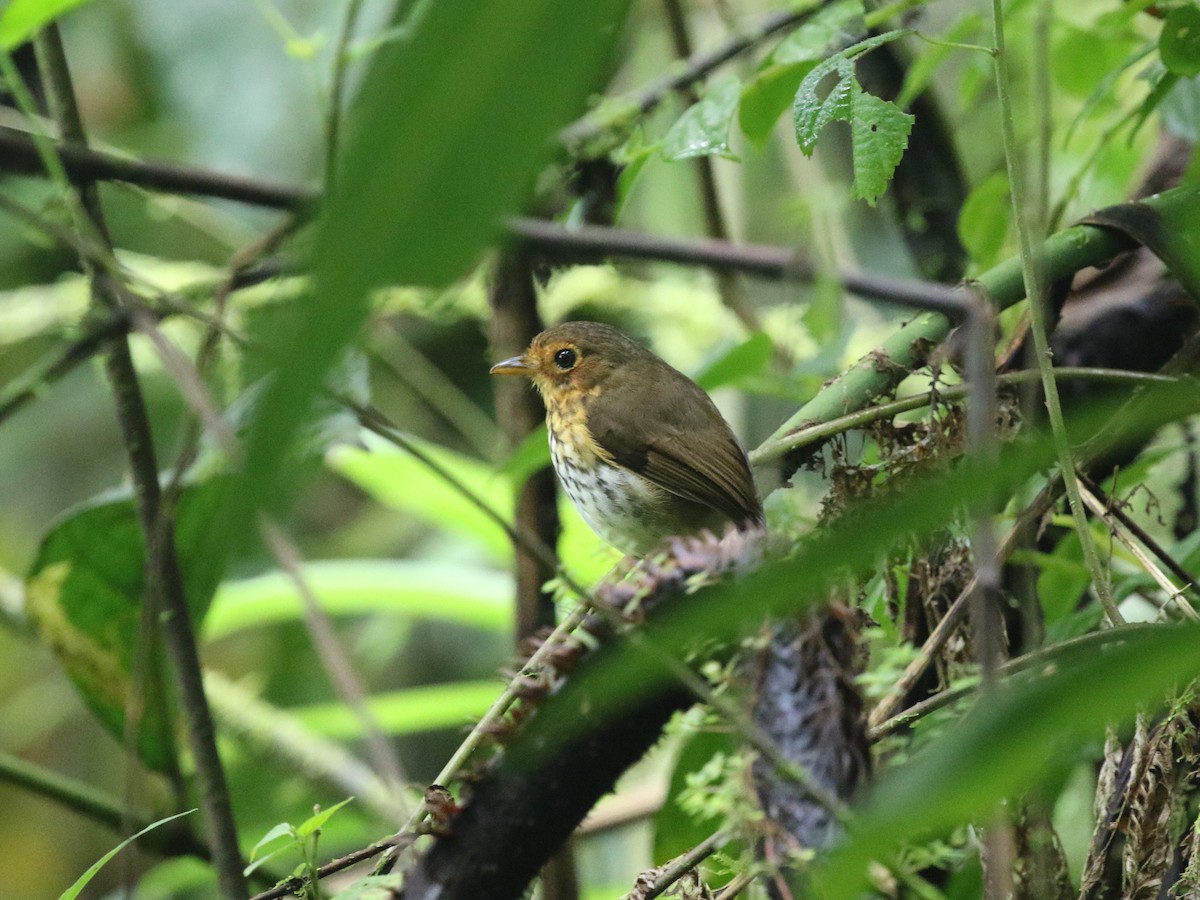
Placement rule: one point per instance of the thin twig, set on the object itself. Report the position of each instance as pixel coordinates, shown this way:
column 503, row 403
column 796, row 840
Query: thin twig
column 738, row 884
column 1119, row 523
column 1023, row 663
column 164, row 580
column 681, row 865
column 333, row 656
column 296, row 882
column 953, row 617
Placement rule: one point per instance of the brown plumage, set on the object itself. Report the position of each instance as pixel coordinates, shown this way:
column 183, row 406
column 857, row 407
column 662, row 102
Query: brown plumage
column 639, row 447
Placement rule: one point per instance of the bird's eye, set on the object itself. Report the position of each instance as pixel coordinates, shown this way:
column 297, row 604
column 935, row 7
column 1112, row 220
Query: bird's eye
column 565, row 359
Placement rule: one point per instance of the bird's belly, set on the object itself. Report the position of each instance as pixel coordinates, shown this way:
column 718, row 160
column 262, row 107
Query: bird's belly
column 624, row 509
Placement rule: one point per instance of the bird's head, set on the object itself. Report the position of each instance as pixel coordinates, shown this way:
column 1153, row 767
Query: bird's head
column 574, row 356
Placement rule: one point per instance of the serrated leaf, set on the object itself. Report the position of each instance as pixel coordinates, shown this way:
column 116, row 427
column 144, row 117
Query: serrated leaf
column 812, row 40
column 880, row 132
column 84, row 595
column 1179, row 42
column 812, row 113
column 703, row 130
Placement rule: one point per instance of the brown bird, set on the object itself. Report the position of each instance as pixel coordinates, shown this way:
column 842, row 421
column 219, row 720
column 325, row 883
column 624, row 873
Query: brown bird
column 639, row 447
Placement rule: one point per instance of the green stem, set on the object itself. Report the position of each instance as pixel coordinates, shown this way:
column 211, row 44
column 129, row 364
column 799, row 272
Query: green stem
column 1034, row 280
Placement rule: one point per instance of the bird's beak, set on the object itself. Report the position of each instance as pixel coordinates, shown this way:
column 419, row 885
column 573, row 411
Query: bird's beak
column 516, row 365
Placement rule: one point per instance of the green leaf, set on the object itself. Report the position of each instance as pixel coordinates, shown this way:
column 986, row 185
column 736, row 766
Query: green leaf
column 1179, row 42
column 767, row 96
column 880, row 132
column 283, row 829
column 84, row 595
column 317, row 820
column 407, row 711
column 21, row 19
column 675, row 831
column 469, row 595
column 446, row 135
column 401, row 481
column 703, row 130
column 879, row 129
column 984, row 220
column 1006, row 744
column 740, row 361
column 74, row 890
column 810, row 113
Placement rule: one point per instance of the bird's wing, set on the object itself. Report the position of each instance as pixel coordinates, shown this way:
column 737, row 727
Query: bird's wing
column 686, row 448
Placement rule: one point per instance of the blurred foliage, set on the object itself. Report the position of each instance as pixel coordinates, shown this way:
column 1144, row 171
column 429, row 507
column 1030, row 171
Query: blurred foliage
column 452, row 121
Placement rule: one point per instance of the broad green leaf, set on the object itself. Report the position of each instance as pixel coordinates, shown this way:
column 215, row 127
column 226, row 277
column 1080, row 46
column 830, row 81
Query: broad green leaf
column 401, row 481
column 84, row 595
column 469, row 595
column 984, row 220
column 740, row 361
column 21, row 19
column 824, row 312
column 1082, row 59
column 1170, row 228
column 812, row 41
column 703, row 130
column 74, row 890
column 767, row 97
column 1010, row 742
column 445, row 137
column 1179, row 42
column 406, row 711
column 880, row 132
